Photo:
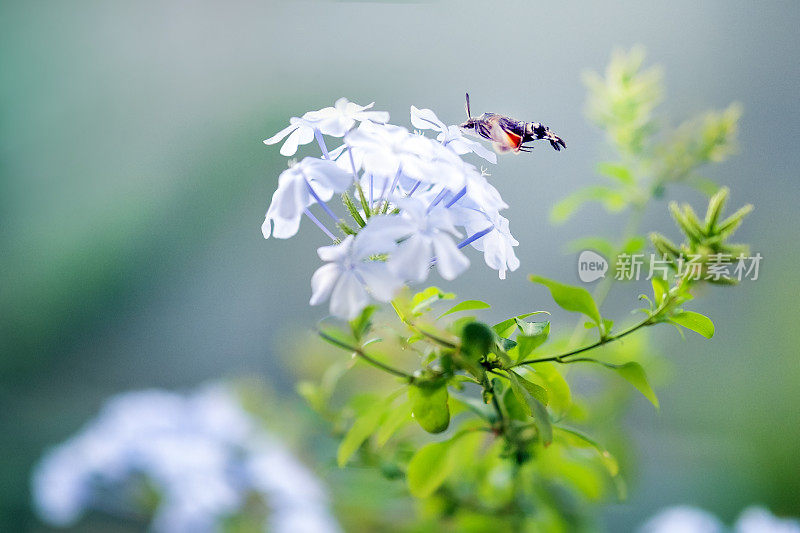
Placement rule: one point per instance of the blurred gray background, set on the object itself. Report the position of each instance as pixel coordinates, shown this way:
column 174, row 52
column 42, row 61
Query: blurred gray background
column 134, row 182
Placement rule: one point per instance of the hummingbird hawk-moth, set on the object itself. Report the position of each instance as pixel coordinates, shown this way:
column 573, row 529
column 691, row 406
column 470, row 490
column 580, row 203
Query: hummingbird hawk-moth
column 507, row 134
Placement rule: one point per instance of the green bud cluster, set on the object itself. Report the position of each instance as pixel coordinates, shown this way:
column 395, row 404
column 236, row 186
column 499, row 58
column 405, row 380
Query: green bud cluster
column 706, row 238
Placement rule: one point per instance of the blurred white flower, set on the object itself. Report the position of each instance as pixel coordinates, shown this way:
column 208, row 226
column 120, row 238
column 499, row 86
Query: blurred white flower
column 334, row 121
column 760, row 520
column 683, row 519
column 310, row 181
column 450, row 136
column 687, row 519
column 425, row 238
column 350, row 278
column 203, row 455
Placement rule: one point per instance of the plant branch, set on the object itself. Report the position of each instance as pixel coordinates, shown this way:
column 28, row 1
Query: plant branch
column 362, row 354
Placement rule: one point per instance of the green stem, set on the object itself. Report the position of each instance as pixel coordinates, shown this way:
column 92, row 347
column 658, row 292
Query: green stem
column 654, row 318
column 368, row 358
column 560, row 358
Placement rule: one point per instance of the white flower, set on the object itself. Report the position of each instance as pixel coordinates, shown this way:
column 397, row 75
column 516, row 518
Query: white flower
column 450, row 136
column 300, row 132
column 389, row 151
column 496, row 242
column 297, row 187
column 337, row 120
column 334, row 121
column 349, row 278
column 203, row 455
column 426, row 238
column 683, row 519
column 759, row 520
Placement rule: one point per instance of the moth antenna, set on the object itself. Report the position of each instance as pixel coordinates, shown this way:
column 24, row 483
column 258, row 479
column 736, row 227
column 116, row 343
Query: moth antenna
column 469, row 114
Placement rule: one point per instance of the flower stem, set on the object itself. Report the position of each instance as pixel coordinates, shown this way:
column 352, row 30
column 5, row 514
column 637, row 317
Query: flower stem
column 475, row 237
column 560, row 358
column 321, row 142
column 321, row 202
column 319, row 224
column 457, row 197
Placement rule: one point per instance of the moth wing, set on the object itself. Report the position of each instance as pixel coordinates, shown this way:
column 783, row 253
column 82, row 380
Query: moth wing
column 504, row 138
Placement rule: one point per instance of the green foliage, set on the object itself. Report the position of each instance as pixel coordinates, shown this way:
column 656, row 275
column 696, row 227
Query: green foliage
column 695, row 322
column 430, row 467
column 705, row 241
column 467, row 305
column 571, row 298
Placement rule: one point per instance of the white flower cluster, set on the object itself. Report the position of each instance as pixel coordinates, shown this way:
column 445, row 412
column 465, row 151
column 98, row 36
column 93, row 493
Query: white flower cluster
column 687, row 519
column 412, row 192
column 203, row 455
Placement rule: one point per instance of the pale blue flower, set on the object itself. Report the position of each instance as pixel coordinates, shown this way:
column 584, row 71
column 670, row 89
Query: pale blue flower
column 350, row 278
column 389, row 151
column 334, row 121
column 308, row 182
column 425, row 238
column 495, row 238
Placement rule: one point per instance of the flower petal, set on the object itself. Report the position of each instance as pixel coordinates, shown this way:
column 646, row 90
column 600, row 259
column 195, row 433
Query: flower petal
column 412, row 259
column 281, row 134
column 304, row 134
column 285, row 228
column 323, row 281
column 381, row 282
column 450, row 261
column 349, row 297
column 425, row 119
column 336, row 252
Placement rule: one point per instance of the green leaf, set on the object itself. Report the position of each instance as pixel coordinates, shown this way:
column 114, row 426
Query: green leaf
column 362, row 428
column 507, row 327
column 360, row 326
column 429, row 406
column 467, row 305
column 694, row 321
column 558, row 392
column 392, row 421
column 578, row 438
column 634, row 374
column 616, row 171
column 524, row 391
column 532, row 335
column 571, row 298
column 430, row 467
column 477, row 340
column 515, row 408
column 660, row 289
column 421, row 301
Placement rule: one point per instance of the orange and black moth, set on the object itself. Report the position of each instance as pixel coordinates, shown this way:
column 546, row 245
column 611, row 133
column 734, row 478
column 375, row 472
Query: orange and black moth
column 507, row 134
